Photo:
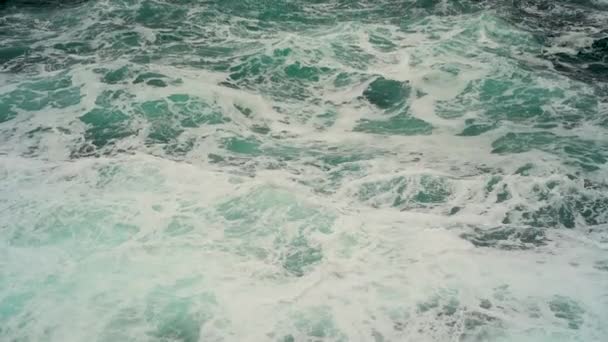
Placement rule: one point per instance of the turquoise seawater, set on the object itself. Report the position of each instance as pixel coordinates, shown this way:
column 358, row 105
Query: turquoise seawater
column 303, row 170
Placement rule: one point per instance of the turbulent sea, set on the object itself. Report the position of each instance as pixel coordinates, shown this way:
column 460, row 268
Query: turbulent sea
column 304, row 170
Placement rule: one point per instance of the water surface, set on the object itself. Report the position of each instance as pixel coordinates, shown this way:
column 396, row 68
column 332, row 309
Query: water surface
column 303, row 170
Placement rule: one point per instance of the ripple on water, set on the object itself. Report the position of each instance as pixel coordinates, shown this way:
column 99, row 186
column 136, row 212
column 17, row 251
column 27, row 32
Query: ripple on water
column 303, row 171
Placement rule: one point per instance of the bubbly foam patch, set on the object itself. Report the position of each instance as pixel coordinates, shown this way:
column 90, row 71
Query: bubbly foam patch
column 287, row 171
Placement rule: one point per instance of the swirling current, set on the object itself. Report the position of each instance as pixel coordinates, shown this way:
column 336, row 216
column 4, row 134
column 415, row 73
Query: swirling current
column 304, row 170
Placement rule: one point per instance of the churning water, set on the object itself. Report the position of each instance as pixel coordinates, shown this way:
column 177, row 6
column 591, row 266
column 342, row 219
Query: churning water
column 299, row 170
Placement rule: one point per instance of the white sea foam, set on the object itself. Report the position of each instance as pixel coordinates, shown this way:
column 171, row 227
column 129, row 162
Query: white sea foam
column 304, row 230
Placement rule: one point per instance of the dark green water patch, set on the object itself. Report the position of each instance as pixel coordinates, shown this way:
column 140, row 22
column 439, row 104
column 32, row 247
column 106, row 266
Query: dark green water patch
column 116, row 76
column 565, row 213
column 445, row 309
column 169, row 118
column 586, row 154
column 432, row 190
column 476, row 326
column 332, row 181
column 84, row 227
column 49, row 84
column 161, row 129
column 601, row 265
column 520, row 99
column 381, row 40
column 503, row 194
column 305, row 73
column 161, row 133
column 311, row 324
column 344, row 79
column 12, row 52
column 55, row 92
column 163, row 15
column 13, row 304
column 385, row 93
column 525, row 169
column 152, row 79
column 105, row 126
column 275, row 226
column 563, row 204
column 254, row 68
column 549, row 216
column 109, row 98
column 446, row 302
column 75, row 48
column 6, row 112
column 181, row 147
column 248, row 146
column 300, row 256
column 379, row 192
column 507, row 238
column 405, row 192
column 272, row 75
column 473, row 128
column 568, row 310
column 277, row 153
column 27, row 100
column 170, row 313
column 492, row 183
column 348, row 52
column 400, row 124
column 588, row 64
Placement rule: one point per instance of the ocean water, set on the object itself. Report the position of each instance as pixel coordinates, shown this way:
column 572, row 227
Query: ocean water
column 304, row 170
